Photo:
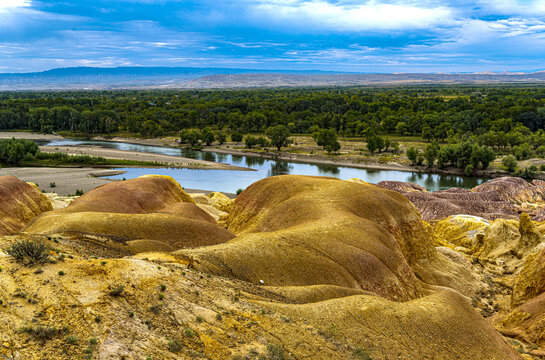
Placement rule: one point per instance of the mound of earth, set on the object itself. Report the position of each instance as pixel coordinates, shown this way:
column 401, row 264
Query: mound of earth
column 143, row 195
column 20, row 202
column 504, row 198
column 155, row 306
column 530, row 281
column 154, row 211
column 308, row 231
column 502, row 242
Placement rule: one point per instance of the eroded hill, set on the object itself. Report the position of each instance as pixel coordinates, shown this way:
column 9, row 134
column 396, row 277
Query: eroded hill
column 296, row 267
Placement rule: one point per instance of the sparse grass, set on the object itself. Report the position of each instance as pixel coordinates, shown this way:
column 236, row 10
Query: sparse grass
column 43, row 333
column 275, row 352
column 29, row 252
column 361, row 353
column 117, row 291
column 174, row 346
column 72, row 340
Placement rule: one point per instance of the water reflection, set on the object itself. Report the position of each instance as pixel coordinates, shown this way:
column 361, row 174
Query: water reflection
column 328, row 170
column 254, row 161
column 230, row 181
column 280, row 168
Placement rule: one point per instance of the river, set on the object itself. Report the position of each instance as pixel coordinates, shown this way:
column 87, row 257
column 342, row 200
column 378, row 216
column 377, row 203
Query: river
column 230, row 181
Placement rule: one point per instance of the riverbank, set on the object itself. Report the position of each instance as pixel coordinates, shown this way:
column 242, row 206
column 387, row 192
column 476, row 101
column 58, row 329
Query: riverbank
column 68, row 181
column 305, row 151
column 160, row 160
column 114, row 154
column 348, row 159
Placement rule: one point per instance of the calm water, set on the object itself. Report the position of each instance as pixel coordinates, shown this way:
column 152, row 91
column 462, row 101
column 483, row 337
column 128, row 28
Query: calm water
column 230, row 181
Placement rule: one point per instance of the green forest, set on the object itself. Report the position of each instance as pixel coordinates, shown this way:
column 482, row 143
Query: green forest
column 505, row 119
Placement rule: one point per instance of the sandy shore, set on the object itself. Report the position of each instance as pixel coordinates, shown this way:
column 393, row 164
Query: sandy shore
column 68, row 180
column 28, row 135
column 163, row 160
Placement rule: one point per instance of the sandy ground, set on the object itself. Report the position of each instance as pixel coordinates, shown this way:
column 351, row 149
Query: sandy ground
column 68, row 180
column 28, row 135
column 164, row 160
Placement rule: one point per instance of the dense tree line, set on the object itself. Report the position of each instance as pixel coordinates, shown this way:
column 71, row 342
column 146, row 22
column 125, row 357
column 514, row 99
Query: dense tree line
column 436, row 113
column 508, row 119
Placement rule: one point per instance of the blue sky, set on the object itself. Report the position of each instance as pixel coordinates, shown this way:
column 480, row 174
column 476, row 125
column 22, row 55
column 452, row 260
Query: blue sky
column 344, row 35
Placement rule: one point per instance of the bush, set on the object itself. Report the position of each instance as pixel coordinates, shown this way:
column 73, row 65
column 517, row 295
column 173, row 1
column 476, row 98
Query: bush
column 412, row 154
column 117, row 291
column 239, row 191
column 510, row 163
column 276, row 352
column 71, row 340
column 174, row 346
column 236, row 137
column 250, row 141
column 29, row 252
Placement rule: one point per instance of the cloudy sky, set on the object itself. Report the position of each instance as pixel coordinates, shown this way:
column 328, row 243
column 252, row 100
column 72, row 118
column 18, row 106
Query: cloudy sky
column 345, row 35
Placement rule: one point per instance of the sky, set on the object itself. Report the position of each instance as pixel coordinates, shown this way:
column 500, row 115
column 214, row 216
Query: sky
column 342, row 35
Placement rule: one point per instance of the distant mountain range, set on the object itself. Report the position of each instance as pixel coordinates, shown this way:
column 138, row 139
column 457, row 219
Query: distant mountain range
column 188, row 77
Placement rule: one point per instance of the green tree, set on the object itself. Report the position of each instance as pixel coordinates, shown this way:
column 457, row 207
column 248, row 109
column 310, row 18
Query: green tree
column 191, row 137
column 430, row 153
column 207, row 136
column 221, row 137
column 510, row 163
column 324, row 137
column 279, row 135
column 335, row 146
column 412, row 154
column 236, row 137
column 250, row 141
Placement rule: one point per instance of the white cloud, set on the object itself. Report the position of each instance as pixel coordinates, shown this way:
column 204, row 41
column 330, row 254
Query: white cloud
column 320, row 14
column 514, row 7
column 6, row 5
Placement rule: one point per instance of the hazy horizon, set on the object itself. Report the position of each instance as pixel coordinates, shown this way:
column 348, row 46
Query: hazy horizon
column 376, row 36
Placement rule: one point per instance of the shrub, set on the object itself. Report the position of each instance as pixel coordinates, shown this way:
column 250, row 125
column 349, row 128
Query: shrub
column 236, row 137
column 174, row 346
column 29, row 252
column 52, row 184
column 360, row 353
column 43, row 332
column 239, row 191
column 71, row 340
column 117, row 291
column 189, row 333
column 276, row 352
column 510, row 163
